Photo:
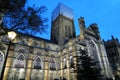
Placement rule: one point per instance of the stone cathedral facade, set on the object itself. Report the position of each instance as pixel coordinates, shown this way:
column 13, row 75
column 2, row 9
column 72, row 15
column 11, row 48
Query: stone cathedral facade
column 34, row 58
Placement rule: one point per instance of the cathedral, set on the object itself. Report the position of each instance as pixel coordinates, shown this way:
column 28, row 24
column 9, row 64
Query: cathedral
column 34, row 58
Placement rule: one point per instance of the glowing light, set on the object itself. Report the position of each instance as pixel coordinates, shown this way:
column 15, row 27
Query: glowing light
column 11, row 35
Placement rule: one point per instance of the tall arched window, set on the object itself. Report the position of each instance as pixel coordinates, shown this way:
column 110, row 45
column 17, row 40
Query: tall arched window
column 65, row 63
column 52, row 64
column 1, row 59
column 20, row 61
column 93, row 50
column 1, row 62
column 58, row 64
column 37, row 63
column 71, row 61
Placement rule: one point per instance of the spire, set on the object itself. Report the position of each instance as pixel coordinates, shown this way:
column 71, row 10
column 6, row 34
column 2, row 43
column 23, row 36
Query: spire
column 81, row 22
column 112, row 37
column 82, row 27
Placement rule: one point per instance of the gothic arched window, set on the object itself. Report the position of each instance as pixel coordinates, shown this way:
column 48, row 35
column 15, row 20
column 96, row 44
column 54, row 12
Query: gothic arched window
column 65, row 63
column 58, row 64
column 93, row 50
column 37, row 63
column 1, row 59
column 20, row 61
column 52, row 64
column 71, row 61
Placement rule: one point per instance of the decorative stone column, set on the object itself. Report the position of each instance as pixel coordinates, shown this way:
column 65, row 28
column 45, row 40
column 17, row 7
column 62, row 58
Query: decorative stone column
column 29, row 67
column 45, row 62
column 46, row 67
column 75, row 62
column 61, row 66
column 68, row 67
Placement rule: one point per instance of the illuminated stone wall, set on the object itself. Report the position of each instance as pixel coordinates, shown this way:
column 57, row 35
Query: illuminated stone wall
column 34, row 58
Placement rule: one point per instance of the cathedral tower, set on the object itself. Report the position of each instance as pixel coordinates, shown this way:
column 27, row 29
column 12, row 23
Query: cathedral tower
column 62, row 24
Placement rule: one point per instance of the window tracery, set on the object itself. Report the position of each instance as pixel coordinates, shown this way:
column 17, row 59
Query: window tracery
column 37, row 63
column 52, row 65
column 20, row 61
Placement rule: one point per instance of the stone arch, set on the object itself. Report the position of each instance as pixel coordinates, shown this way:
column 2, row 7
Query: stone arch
column 102, row 58
column 37, row 64
column 58, row 63
column 65, row 67
column 1, row 55
column 19, row 66
column 71, row 61
column 53, row 69
column 98, row 56
column 37, row 69
column 64, row 62
column 20, row 61
column 52, row 64
column 1, row 61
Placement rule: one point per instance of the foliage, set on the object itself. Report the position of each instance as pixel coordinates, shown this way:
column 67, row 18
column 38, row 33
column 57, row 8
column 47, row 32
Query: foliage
column 86, row 67
column 24, row 19
column 12, row 5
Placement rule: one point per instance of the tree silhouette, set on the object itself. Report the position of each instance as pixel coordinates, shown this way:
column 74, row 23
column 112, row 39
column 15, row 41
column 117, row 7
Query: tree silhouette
column 21, row 18
column 86, row 67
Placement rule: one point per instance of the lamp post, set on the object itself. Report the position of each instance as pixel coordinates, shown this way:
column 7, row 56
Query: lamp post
column 11, row 36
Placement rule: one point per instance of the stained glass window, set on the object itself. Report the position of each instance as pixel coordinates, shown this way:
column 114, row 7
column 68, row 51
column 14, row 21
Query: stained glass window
column 52, row 65
column 20, row 61
column 37, row 63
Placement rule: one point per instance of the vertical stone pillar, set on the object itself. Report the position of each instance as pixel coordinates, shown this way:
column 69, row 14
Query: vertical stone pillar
column 46, row 67
column 8, row 62
column 46, row 64
column 68, row 67
column 75, row 62
column 29, row 67
column 61, row 66
column 105, row 63
column 42, row 44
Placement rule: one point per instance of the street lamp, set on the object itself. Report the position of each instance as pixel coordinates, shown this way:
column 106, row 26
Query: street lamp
column 11, row 37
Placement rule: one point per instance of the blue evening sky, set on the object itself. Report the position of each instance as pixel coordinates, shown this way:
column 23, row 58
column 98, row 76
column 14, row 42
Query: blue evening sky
column 106, row 13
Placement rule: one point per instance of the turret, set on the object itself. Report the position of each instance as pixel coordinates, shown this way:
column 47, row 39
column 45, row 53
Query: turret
column 82, row 28
column 95, row 29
